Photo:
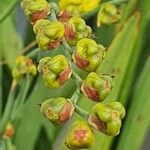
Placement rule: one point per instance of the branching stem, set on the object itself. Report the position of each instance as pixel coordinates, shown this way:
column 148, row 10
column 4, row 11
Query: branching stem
column 8, row 108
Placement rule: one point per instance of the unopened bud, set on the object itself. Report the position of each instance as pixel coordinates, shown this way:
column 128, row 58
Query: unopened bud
column 80, row 136
column 36, row 9
column 108, row 14
column 107, row 117
column 9, row 131
column 24, row 65
column 88, row 54
column 57, row 110
column 49, row 34
column 78, row 7
column 55, row 71
column 97, row 87
column 76, row 29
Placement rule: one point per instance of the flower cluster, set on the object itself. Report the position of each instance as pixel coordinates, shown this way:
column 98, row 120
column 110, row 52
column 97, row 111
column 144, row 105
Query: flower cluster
column 24, row 65
column 67, row 29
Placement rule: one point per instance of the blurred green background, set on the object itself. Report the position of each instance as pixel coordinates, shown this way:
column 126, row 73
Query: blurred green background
column 128, row 43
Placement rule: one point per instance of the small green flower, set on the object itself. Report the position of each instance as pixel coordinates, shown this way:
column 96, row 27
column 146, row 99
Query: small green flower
column 55, row 71
column 76, row 29
column 9, row 131
column 88, row 54
column 108, row 14
column 97, row 87
column 107, row 117
column 57, row 110
column 49, row 34
column 24, row 65
column 78, row 7
column 80, row 136
column 36, row 9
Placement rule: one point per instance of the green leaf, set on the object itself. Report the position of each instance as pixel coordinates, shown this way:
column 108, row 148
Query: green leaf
column 137, row 121
column 10, row 42
column 31, row 122
column 119, row 55
column 1, row 89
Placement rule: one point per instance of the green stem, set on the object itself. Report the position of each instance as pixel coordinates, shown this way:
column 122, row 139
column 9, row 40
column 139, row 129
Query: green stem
column 117, row 2
column 67, row 49
column 53, row 16
column 8, row 10
column 75, row 97
column 8, row 108
column 25, row 89
column 8, row 144
column 81, row 112
column 21, row 98
column 34, row 52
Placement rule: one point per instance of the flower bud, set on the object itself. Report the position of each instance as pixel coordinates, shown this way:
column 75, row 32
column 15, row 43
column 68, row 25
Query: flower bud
column 108, row 14
column 55, row 71
column 24, row 65
column 9, row 131
column 97, row 87
column 76, row 29
column 36, row 9
column 80, row 136
column 88, row 54
column 48, row 34
column 78, row 7
column 57, row 110
column 107, row 117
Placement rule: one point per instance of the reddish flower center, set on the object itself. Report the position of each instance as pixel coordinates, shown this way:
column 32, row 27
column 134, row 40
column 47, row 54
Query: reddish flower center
column 64, row 76
column 80, row 134
column 69, row 33
column 39, row 15
column 90, row 92
column 66, row 112
column 80, row 62
column 64, row 16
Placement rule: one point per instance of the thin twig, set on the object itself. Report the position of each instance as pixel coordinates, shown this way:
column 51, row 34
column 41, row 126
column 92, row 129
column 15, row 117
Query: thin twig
column 8, row 108
column 28, row 47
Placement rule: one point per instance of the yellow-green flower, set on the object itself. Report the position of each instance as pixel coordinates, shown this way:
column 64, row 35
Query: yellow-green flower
column 9, row 131
column 97, row 86
column 78, row 7
column 80, row 136
column 57, row 110
column 76, row 29
column 88, row 54
column 36, row 9
column 48, row 34
column 107, row 117
column 55, row 71
column 108, row 14
column 24, row 65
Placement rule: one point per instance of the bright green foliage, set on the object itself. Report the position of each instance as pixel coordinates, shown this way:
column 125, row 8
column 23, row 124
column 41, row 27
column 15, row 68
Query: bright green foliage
column 125, row 59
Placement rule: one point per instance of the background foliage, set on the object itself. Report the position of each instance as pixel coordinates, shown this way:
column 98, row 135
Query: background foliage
column 128, row 58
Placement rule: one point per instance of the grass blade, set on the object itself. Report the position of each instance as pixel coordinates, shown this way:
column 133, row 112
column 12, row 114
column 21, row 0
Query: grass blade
column 137, row 121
